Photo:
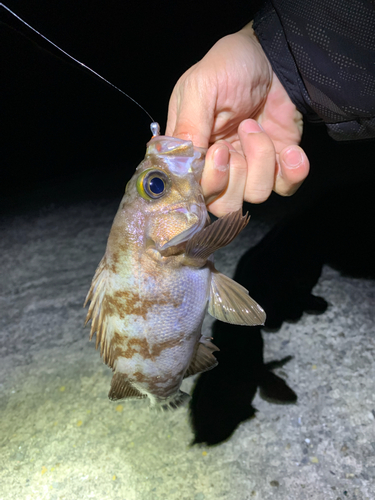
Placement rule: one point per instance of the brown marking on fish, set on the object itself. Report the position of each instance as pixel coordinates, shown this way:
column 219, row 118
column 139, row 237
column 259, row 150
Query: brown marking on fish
column 139, row 377
column 173, row 384
column 115, row 260
column 123, row 303
column 133, row 303
column 117, row 338
column 111, row 307
column 158, row 348
column 119, row 239
column 153, row 268
column 117, row 349
column 170, row 384
column 137, row 346
column 132, row 344
column 123, row 244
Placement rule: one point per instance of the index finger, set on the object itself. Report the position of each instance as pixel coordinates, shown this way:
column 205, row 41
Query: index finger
column 191, row 110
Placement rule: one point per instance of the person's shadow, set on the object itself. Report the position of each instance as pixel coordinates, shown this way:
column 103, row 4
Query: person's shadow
column 334, row 225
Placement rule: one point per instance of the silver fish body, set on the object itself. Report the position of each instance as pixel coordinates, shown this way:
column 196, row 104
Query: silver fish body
column 156, row 280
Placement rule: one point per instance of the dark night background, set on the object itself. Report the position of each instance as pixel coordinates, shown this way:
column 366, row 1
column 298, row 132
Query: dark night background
column 66, row 132
column 67, row 135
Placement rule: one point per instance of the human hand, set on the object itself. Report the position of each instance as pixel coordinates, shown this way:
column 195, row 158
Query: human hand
column 211, row 105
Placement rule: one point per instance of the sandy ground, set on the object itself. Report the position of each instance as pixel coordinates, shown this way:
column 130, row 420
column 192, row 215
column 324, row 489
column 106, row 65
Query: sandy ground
column 61, row 438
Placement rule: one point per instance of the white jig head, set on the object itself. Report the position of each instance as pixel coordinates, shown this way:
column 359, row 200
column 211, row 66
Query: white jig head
column 155, row 129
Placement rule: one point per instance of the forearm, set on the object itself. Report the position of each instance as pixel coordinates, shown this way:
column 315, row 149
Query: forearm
column 324, row 57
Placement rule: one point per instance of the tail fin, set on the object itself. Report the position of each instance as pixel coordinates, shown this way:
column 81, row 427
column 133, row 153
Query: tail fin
column 172, row 402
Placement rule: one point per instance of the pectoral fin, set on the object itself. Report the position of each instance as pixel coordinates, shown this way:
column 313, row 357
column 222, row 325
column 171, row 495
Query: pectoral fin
column 121, row 388
column 203, row 359
column 231, row 303
column 217, row 235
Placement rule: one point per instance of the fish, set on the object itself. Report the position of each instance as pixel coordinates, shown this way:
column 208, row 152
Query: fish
column 157, row 279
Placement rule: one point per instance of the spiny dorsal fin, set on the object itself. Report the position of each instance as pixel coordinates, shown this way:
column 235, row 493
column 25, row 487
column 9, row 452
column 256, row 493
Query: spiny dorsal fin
column 121, row 388
column 231, row 303
column 101, row 323
column 217, row 235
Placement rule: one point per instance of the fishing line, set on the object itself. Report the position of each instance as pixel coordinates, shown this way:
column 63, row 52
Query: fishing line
column 154, row 125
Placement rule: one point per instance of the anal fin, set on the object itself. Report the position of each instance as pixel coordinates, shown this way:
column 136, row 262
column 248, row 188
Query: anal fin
column 203, row 359
column 230, row 302
column 121, row 388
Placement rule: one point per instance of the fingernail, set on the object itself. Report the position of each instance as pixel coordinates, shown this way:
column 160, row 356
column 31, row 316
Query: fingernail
column 251, row 127
column 221, row 159
column 292, row 158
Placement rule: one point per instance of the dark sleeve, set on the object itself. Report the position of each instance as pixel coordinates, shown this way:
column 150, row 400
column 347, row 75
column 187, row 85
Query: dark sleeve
column 323, row 52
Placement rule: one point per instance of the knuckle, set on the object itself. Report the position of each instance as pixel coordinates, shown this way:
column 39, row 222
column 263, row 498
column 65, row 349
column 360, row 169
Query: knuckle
column 237, row 162
column 264, row 149
column 258, row 147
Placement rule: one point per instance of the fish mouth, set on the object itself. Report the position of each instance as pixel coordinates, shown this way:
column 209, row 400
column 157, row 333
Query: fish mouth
column 197, row 214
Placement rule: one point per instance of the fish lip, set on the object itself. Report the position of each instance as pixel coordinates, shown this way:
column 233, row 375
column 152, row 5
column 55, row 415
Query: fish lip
column 196, row 209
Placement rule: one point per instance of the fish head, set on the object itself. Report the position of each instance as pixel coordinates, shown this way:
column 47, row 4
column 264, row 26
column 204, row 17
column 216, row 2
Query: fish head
column 164, row 196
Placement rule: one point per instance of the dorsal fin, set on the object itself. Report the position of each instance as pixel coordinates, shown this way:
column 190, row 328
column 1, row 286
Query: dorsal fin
column 101, row 323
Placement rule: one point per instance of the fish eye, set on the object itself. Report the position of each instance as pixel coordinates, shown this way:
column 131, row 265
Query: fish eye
column 152, row 184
